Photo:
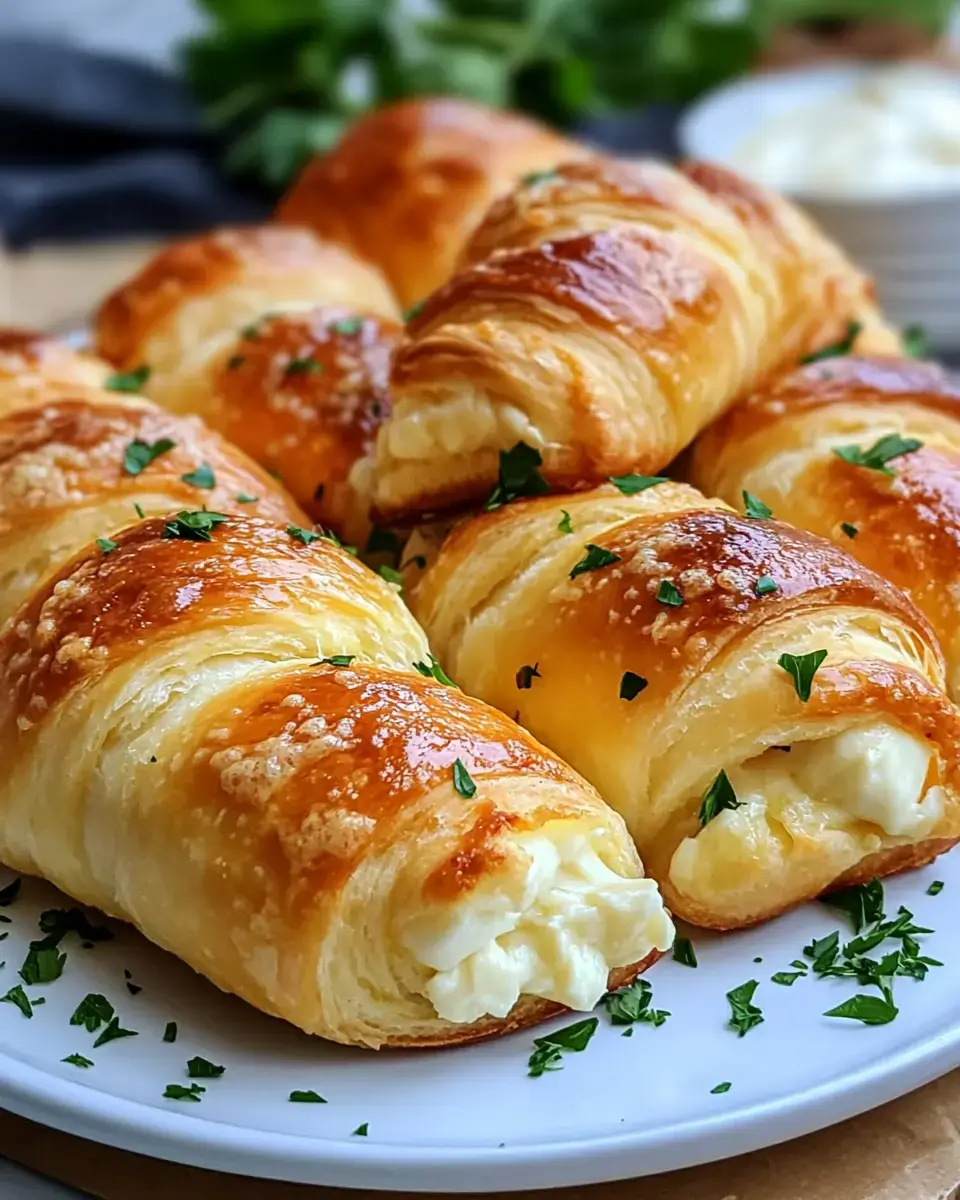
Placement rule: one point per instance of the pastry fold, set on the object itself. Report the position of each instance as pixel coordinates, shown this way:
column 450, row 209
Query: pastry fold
column 899, row 514
column 407, row 185
column 605, row 314
column 264, row 785
column 642, row 637
column 35, row 366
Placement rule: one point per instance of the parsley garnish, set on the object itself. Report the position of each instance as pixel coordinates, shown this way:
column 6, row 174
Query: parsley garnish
column 787, row 978
column 93, row 1011
column 307, row 1097
column 876, row 457
column 755, row 508
column 128, row 381
column 801, row 668
column 18, row 996
column 176, row 1091
column 631, row 1004
column 518, row 476
column 339, row 660
column 835, row 349
column 564, row 525
column 668, row 593
column 139, row 511
column 9, row 893
column 381, row 541
column 348, row 325
column 361, row 1130
column 721, row 1088
column 744, row 1014
column 194, row 526
column 56, row 923
column 935, row 888
column 718, row 796
column 632, row 485
column 871, row 1010
column 306, row 536
column 914, row 342
column 243, row 498
column 112, row 1032
column 534, row 177
column 202, row 477
column 140, row 454
column 202, row 1068
column 303, row 366
column 549, row 1048
column 106, row 545
column 434, row 671
column 462, row 780
column 235, row 361
column 684, row 953
column 862, row 903
column 170, row 1032
column 390, row 575
column 850, row 530
column 631, row 685
column 526, row 675
column 42, row 965
column 77, row 1060
column 765, row 585
column 414, row 310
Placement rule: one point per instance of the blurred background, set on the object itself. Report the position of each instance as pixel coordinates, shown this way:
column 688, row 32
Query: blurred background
column 132, row 119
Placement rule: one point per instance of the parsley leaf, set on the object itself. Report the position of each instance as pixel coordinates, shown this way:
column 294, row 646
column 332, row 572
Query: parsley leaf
column 718, row 796
column 843, row 346
column 631, row 685
column 390, row 575
column 631, row 1004
column 77, row 1060
column 871, row 1010
column 876, row 457
column 683, row 952
column 106, row 545
column 668, row 593
column 128, row 381
column 42, row 965
column 518, row 476
column 526, row 675
column 787, row 978
column 824, row 952
column 201, row 477
column 563, row 525
column 765, row 585
column 306, row 536
column 632, row 485
column 755, row 508
column 243, row 498
column 434, row 671
column 93, row 1011
column 18, row 996
column 850, row 530
column 202, row 1068
column 176, row 1091
column 170, row 1032
column 382, row 541
column 140, row 454
column 112, row 1032
column 721, row 1088
column 462, row 780
column 547, row 1055
column 339, row 660
column 194, row 526
column 361, row 1130
column 935, row 888
column 915, row 342
column 307, row 1097
column 744, row 1014
column 56, row 923
column 801, row 668
column 863, row 903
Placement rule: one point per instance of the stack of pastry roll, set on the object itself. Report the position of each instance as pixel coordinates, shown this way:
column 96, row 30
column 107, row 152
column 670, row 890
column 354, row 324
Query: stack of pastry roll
column 604, row 314
column 279, row 341
column 767, row 714
column 228, row 731
column 865, row 451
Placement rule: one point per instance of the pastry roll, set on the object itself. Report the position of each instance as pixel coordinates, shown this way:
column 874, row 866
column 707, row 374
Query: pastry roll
column 767, row 714
column 75, row 469
column 406, row 185
column 34, row 366
column 606, row 313
column 261, row 782
column 866, row 452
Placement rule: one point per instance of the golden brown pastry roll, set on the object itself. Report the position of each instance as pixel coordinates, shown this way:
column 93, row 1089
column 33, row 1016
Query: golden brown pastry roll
column 628, row 307
column 407, row 185
column 768, row 715
column 35, row 366
column 261, row 782
column 866, row 452
column 77, row 468
column 304, row 394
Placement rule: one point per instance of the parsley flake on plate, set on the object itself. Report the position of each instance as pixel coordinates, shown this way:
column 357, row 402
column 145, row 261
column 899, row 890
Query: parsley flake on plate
column 801, row 668
column 128, row 381
column 787, row 978
column 863, row 903
column 140, row 454
column 721, row 1088
column 462, row 780
column 18, row 996
column 176, row 1091
column 518, row 476
column 835, row 349
column 93, row 1011
column 549, row 1049
column 876, row 457
column 170, row 1032
column 112, row 1032
column 684, row 953
column 77, row 1060
column 361, row 1130
column 306, row 1097
column 631, row 685
column 203, row 1068
column 935, row 888
column 870, row 1010
column 631, row 1004
column 718, row 796
column 744, row 1014
column 42, row 965
column 755, row 507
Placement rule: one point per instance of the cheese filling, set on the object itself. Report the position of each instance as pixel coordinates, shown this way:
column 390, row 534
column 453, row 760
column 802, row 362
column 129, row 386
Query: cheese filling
column 555, row 931
column 820, row 806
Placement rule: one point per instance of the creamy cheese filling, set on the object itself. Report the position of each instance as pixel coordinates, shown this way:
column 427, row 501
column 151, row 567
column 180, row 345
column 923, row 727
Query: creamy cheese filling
column 554, row 931
column 820, row 798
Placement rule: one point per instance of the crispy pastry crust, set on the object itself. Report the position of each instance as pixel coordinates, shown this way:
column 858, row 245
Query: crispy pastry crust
column 779, row 444
column 35, row 366
column 605, row 313
column 407, row 184
column 500, row 596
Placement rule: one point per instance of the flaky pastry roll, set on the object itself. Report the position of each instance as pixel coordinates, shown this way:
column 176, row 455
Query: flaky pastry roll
column 866, row 452
column 264, row 785
column 606, row 313
column 407, row 184
column 767, row 714
column 35, row 367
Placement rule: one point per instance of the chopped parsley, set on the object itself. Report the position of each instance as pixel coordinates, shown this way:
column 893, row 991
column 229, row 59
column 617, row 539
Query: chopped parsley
column 863, row 903
column 235, row 361
column 361, row 1130
column 106, row 545
column 632, row 485
column 9, row 893
column 176, row 1091
column 850, row 530
column 140, row 454
column 77, row 1060
column 303, row 366
column 202, row 1068
column 548, row 1053
column 338, row 660
column 381, row 541
column 194, row 526
column 243, row 498
column 668, row 593
column 631, row 1004
column 935, row 888
column 306, row 536
column 348, row 326
column 883, row 450
column 390, row 575
column 414, row 310
column 201, row 477
column 787, row 978
column 684, row 953
column 134, row 988
column 170, row 1032
column 801, row 668
column 564, row 525
column 535, row 177
column 718, row 796
column 631, row 685
column 112, row 1032
column 744, row 1014
column 42, row 965
column 755, row 507
column 128, row 381
column 915, row 342
column 93, row 1011
column 433, row 670
column 526, row 675
column 871, row 1010
column 139, row 511
column 765, row 585
column 306, row 1097
column 835, row 349
column 56, row 923
column 518, row 476
column 18, row 996
column 721, row 1088
column 462, row 780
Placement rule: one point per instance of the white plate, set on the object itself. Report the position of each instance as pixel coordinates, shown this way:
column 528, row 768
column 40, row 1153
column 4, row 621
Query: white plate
column 472, row 1119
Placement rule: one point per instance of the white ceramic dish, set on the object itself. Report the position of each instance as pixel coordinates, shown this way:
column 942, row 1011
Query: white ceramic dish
column 472, row 1119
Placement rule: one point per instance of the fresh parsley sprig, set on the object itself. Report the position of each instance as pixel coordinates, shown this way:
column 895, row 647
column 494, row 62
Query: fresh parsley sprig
column 519, row 476
column 549, row 1049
